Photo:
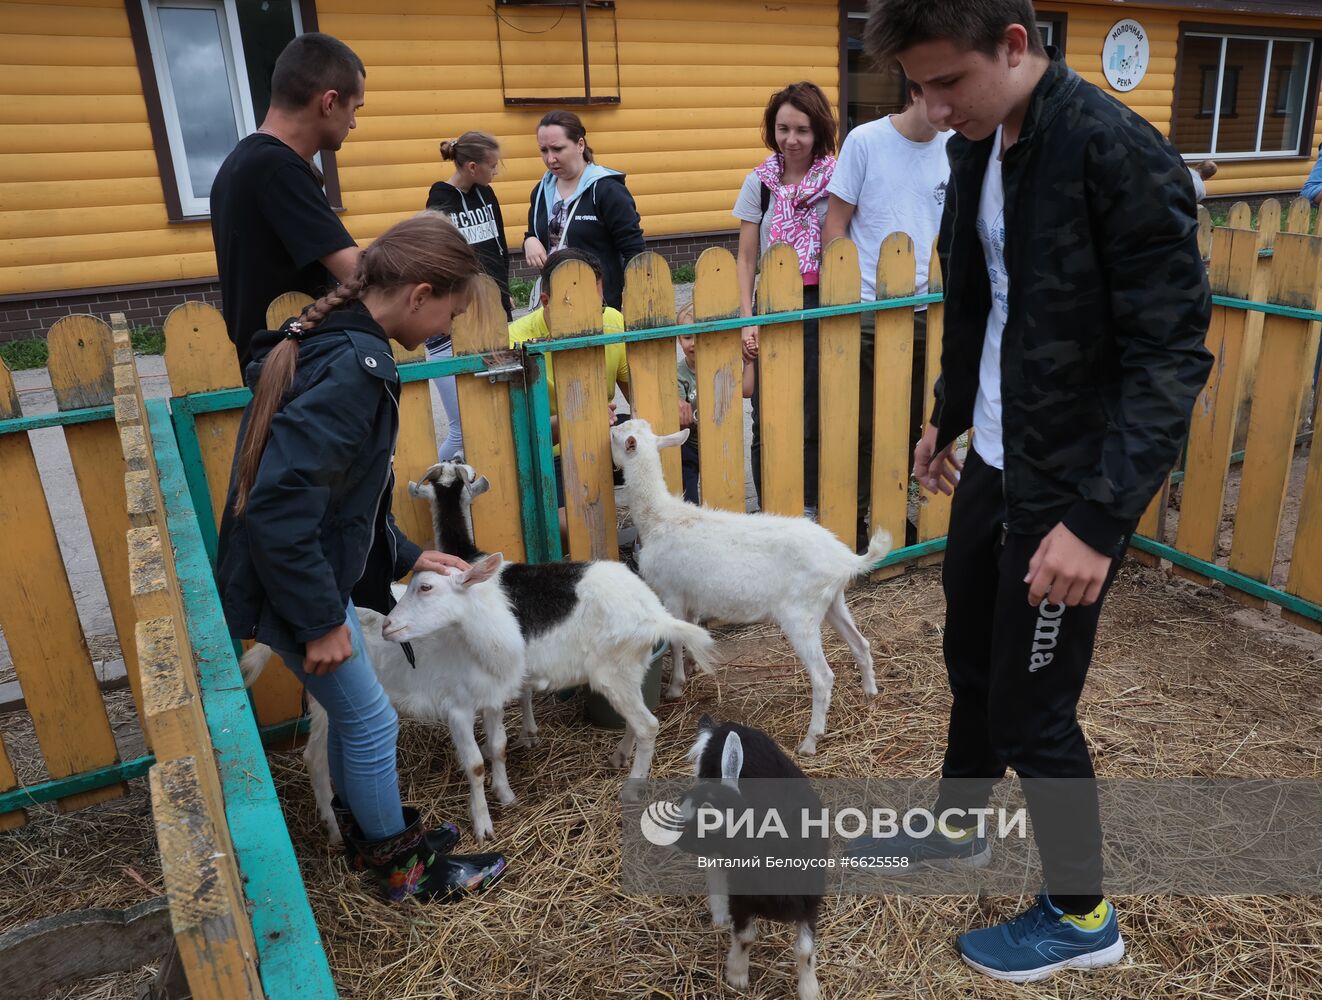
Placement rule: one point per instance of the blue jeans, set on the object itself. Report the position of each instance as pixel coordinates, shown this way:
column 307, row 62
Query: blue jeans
column 361, row 742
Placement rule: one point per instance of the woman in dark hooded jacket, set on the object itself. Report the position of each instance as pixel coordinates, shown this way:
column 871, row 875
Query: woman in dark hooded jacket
column 580, row 204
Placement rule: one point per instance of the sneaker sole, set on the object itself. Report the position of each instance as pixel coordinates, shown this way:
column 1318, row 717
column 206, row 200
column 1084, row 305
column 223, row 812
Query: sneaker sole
column 1109, row 955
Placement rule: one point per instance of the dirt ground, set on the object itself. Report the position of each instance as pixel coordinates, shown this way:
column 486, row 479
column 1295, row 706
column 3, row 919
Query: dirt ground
column 1185, row 681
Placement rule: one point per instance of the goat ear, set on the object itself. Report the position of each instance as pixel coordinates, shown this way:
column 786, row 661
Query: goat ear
column 466, row 472
column 673, row 440
column 483, row 570
column 480, row 485
column 732, row 761
column 432, row 475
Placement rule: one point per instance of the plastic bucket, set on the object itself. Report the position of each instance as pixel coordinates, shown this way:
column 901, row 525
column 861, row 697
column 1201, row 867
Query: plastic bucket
column 598, row 710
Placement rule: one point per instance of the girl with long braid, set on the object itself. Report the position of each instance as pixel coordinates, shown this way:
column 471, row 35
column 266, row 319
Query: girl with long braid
column 307, row 523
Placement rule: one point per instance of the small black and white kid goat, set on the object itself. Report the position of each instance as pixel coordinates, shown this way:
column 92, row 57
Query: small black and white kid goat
column 741, row 770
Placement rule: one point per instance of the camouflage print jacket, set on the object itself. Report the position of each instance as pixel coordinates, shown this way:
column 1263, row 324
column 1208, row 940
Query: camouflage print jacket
column 1103, row 354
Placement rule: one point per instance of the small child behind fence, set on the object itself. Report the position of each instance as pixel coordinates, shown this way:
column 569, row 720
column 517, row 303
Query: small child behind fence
column 688, row 400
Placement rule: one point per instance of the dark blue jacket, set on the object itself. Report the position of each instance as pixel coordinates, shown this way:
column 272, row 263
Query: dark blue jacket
column 317, row 526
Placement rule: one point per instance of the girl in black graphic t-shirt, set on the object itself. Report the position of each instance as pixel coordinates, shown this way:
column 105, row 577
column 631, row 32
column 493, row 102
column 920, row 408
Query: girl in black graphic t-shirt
column 469, row 201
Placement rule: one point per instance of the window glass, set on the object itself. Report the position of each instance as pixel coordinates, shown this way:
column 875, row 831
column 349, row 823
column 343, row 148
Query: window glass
column 197, row 59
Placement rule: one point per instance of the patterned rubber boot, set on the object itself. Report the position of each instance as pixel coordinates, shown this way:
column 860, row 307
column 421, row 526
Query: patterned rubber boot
column 442, row 840
column 405, row 865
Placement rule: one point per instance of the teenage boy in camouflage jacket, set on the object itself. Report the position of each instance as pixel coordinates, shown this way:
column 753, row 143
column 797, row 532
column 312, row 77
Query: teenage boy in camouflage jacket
column 1076, row 310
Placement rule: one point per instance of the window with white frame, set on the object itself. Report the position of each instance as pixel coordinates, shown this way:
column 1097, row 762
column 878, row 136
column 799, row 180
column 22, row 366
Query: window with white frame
column 212, row 61
column 1241, row 95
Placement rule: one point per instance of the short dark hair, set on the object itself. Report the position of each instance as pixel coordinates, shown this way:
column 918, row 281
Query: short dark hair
column 312, row 64
column 809, row 99
column 978, row 25
column 568, row 253
column 573, row 126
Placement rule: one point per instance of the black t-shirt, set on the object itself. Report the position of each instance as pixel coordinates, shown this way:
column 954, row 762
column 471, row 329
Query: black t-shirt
column 477, row 216
column 271, row 224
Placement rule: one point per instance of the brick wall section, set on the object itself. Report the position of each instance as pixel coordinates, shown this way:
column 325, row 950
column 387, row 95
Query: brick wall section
column 27, row 318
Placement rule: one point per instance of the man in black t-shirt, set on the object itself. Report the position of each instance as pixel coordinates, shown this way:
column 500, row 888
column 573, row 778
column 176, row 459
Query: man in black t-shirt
column 273, row 228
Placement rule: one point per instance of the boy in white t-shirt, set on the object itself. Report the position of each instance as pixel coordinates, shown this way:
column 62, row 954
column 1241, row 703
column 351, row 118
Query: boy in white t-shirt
column 891, row 177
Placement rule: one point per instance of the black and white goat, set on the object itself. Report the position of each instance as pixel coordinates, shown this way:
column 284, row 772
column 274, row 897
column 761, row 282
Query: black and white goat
column 706, row 563
column 741, row 769
column 557, row 625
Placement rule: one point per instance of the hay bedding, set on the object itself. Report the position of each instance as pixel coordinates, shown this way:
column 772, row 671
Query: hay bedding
column 1184, row 682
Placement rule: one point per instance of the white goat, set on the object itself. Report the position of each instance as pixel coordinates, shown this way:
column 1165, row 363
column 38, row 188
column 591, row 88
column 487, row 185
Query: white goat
column 706, row 563
column 559, row 624
column 444, row 683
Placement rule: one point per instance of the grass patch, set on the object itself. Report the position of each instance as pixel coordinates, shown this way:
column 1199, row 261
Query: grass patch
column 520, row 289
column 148, row 340
column 682, row 274
column 21, row 354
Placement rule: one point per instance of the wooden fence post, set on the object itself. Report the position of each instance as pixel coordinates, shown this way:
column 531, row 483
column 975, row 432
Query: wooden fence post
column 488, row 425
column 933, row 511
column 893, row 377
column 780, row 371
column 582, row 397
column 720, row 391
column 839, row 349
column 1216, row 411
column 649, row 302
column 207, row 907
column 82, row 374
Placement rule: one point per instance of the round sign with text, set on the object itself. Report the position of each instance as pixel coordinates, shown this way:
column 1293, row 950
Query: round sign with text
column 1125, row 55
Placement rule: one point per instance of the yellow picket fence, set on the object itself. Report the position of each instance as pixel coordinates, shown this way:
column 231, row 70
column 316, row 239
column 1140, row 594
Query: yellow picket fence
column 37, row 609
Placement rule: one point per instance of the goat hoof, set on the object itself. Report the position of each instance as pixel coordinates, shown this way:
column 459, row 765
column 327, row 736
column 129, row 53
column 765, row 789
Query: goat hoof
column 632, row 792
column 673, row 692
column 333, row 836
column 506, row 798
column 721, row 920
column 870, row 690
column 738, row 980
column 808, row 748
column 529, row 741
column 483, row 830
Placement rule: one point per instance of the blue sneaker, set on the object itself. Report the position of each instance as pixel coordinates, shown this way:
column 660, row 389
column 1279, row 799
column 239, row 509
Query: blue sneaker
column 1038, row 942
column 933, row 851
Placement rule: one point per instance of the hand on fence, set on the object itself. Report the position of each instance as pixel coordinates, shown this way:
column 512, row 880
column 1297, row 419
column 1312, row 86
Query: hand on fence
column 750, row 342
column 439, row 562
column 534, row 254
column 325, row 653
column 1066, row 569
column 936, row 472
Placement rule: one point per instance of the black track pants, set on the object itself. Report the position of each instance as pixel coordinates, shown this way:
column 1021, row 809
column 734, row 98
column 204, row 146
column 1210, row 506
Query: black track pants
column 1016, row 673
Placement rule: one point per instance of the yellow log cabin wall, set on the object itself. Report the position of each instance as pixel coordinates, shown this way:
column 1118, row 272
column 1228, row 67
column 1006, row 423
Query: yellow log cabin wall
column 81, row 200
column 1086, row 26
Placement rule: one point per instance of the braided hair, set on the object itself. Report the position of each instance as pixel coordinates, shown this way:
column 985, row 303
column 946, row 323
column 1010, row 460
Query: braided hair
column 426, row 249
